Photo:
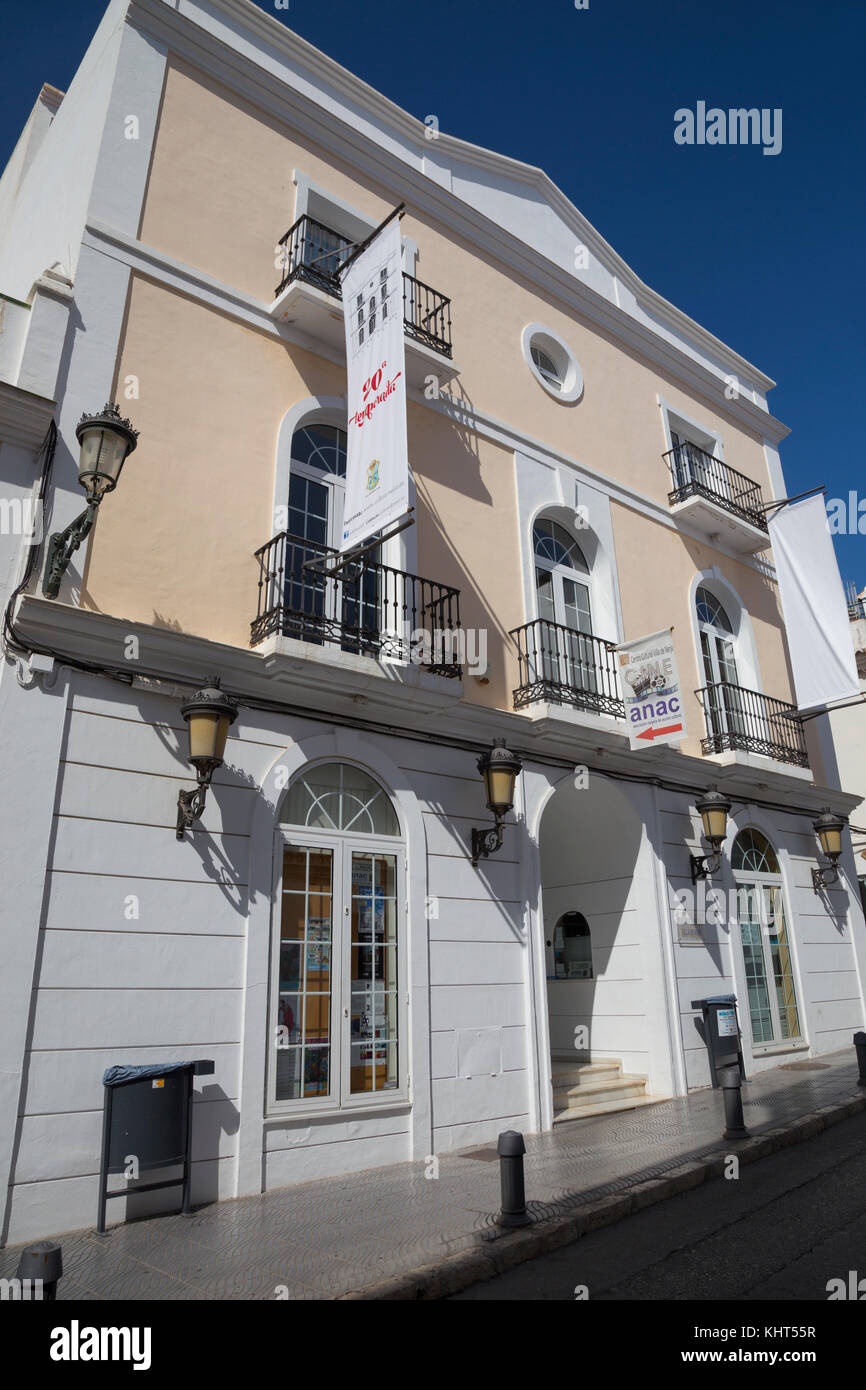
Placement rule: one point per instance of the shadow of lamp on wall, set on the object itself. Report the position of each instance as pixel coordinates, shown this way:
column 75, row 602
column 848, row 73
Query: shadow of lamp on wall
column 209, row 715
column 105, row 443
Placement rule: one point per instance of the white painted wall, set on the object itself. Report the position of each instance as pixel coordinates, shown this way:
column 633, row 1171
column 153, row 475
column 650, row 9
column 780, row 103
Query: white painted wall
column 49, row 213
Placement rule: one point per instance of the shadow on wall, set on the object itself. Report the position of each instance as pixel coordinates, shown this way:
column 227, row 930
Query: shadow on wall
column 213, row 1114
column 590, row 842
column 459, row 469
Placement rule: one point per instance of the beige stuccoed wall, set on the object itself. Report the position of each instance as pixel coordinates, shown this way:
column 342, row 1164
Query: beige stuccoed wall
column 176, row 547
column 221, row 194
column 645, row 551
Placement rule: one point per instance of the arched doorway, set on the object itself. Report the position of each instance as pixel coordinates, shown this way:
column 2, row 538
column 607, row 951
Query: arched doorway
column 606, row 1010
column 774, row 1014
column 337, row 992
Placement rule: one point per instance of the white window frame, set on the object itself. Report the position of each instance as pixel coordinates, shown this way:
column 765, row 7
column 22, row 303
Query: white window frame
column 559, row 572
column 340, row 1101
column 748, row 879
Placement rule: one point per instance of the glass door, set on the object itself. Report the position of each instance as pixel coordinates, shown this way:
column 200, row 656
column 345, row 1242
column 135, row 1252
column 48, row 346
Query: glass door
column 566, row 654
column 346, row 609
column 373, row 1036
column 773, row 1010
column 305, row 978
column 337, row 1008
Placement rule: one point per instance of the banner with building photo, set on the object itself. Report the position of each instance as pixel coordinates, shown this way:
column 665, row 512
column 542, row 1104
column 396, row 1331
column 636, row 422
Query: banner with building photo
column 813, row 602
column 377, row 466
column 650, row 688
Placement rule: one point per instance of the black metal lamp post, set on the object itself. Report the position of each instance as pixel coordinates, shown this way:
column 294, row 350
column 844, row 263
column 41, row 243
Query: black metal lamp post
column 209, row 715
column 500, row 769
column 714, row 808
column 829, row 829
column 106, row 441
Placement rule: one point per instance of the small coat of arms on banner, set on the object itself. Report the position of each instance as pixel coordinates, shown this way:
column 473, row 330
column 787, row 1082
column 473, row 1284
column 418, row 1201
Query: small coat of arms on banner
column 373, row 475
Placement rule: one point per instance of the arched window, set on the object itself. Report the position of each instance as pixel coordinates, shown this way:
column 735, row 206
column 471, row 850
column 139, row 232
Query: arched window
column 562, row 659
column 344, row 611
column 317, row 483
column 572, row 947
column 560, row 574
column 723, row 702
column 338, row 946
column 753, row 854
column 339, row 797
column 773, row 1011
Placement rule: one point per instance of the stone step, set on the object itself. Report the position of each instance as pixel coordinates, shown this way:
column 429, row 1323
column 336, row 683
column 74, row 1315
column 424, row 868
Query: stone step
column 598, row 1092
column 585, row 1112
column 581, row 1073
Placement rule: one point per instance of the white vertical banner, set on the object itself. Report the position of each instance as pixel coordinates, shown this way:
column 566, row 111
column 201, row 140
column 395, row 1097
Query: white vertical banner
column 813, row 602
column 377, row 465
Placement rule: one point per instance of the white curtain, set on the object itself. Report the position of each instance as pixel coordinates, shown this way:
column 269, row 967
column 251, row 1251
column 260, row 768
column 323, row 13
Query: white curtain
column 813, row 602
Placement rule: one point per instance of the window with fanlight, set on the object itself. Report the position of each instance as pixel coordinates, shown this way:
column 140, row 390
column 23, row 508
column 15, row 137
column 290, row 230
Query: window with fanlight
column 344, row 609
column 725, row 710
column 772, row 995
column 337, row 992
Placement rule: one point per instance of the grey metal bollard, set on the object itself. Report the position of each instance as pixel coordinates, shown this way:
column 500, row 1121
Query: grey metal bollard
column 511, row 1149
column 44, row 1261
column 735, row 1123
column 860, row 1044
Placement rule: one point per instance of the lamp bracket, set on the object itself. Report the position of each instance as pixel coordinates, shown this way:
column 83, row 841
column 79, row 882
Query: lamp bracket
column 486, row 842
column 825, row 876
column 703, row 865
column 63, row 546
column 190, row 806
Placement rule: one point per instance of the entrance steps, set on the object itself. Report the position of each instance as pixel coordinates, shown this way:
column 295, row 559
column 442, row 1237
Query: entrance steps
column 581, row 1089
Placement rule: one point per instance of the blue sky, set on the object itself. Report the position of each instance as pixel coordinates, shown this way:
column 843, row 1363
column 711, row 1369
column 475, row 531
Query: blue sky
column 765, row 251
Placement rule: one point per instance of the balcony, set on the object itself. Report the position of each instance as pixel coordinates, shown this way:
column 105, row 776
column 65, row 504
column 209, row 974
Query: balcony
column 368, row 609
column 746, row 721
column 565, row 667
column 305, row 298
column 720, row 502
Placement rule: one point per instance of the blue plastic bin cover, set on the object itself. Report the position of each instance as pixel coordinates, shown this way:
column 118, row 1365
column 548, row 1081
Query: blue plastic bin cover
column 721, row 999
column 119, row 1076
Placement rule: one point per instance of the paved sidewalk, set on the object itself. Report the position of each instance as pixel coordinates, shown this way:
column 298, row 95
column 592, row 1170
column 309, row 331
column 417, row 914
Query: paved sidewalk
column 392, row 1233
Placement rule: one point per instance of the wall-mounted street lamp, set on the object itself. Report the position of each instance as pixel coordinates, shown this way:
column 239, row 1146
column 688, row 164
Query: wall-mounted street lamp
column 829, row 829
column 105, row 442
column 209, row 715
column 499, row 768
column 714, row 807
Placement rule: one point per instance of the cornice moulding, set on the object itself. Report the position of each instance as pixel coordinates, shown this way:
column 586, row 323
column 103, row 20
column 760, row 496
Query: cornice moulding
column 177, row 657
column 24, row 417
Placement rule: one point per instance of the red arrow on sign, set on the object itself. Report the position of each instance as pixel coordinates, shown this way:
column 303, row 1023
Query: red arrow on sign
column 657, row 733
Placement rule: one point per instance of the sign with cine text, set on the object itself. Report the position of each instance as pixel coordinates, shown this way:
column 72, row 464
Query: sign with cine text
column 377, row 463
column 650, row 688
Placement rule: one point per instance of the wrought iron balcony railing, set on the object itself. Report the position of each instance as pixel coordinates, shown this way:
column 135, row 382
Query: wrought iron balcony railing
column 698, row 474
column 313, row 253
column 566, row 668
column 742, row 719
column 367, row 608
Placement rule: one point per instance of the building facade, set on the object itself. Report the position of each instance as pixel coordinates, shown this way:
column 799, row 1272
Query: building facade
column 588, row 466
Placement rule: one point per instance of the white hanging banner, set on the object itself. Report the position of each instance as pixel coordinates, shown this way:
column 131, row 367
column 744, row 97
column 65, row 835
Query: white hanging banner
column 813, row 602
column 650, row 686
column 377, row 465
